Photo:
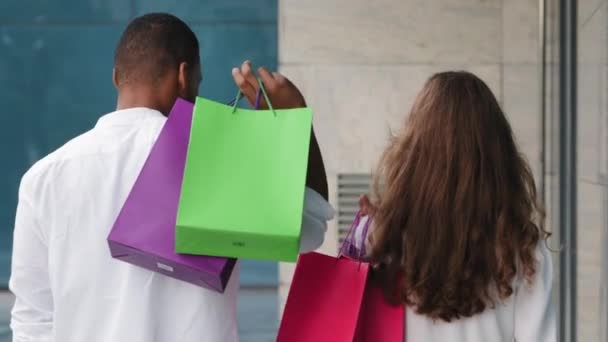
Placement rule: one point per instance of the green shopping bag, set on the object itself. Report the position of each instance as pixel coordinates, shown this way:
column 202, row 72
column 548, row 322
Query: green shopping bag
column 243, row 188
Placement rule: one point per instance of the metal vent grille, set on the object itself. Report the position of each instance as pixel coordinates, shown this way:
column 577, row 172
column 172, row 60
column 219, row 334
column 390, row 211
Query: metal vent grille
column 350, row 187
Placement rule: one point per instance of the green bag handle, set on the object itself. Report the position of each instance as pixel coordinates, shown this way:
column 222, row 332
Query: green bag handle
column 239, row 94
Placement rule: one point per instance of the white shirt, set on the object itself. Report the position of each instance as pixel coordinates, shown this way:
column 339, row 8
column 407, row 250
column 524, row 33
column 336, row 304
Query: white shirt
column 67, row 286
column 527, row 316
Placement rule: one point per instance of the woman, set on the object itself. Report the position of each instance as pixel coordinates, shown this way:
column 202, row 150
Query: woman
column 458, row 231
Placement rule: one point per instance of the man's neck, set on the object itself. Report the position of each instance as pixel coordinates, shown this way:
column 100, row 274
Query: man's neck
column 134, row 99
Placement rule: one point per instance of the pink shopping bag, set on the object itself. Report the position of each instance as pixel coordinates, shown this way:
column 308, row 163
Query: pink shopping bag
column 332, row 300
column 379, row 321
column 324, row 300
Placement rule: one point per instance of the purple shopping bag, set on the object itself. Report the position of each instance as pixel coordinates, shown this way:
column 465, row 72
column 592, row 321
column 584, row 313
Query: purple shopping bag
column 144, row 232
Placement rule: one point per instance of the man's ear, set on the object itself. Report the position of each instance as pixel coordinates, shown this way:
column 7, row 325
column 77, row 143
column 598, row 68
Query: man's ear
column 188, row 78
column 114, row 77
column 183, row 78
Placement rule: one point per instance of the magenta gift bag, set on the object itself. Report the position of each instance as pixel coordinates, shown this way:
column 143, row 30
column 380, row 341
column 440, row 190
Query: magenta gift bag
column 332, row 300
column 324, row 300
column 144, row 232
column 379, row 320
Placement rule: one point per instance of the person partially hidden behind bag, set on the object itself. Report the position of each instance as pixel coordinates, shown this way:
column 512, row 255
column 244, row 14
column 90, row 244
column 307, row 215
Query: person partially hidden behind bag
column 457, row 232
column 67, row 286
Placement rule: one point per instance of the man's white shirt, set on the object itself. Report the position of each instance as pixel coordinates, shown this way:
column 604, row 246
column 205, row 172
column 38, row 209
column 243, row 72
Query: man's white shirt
column 67, row 286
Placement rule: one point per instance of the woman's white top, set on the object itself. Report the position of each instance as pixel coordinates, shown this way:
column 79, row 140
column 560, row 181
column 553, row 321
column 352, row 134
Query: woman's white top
column 527, row 316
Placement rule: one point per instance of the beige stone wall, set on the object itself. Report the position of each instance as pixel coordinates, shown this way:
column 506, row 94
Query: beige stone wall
column 592, row 166
column 360, row 64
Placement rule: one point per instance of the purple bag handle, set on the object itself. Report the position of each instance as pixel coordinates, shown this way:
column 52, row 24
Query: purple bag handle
column 349, row 236
column 258, row 98
column 364, row 235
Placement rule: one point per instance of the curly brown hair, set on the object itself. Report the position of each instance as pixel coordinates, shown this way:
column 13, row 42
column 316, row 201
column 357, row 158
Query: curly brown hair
column 457, row 211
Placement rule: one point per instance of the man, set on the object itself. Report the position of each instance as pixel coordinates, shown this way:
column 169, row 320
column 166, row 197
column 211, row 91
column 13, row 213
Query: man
column 67, row 287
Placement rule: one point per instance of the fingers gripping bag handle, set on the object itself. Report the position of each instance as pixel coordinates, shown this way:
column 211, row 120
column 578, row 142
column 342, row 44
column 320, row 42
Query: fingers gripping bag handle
column 261, row 91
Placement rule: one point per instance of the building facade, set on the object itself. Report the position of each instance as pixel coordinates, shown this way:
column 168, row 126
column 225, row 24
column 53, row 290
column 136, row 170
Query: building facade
column 360, row 64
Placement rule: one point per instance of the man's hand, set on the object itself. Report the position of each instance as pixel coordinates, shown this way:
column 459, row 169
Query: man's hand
column 282, row 93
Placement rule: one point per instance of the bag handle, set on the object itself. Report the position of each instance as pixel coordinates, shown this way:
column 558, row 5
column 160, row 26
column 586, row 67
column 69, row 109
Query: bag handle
column 364, row 235
column 261, row 91
column 349, row 235
column 257, row 100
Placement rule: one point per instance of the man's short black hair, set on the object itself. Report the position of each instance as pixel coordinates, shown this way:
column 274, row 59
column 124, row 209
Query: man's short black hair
column 151, row 45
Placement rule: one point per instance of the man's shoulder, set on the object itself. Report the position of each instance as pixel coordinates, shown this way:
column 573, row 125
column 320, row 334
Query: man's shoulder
column 74, row 148
column 99, row 142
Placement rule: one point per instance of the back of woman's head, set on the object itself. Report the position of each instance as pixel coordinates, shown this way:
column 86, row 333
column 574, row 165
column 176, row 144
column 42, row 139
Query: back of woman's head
column 458, row 217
